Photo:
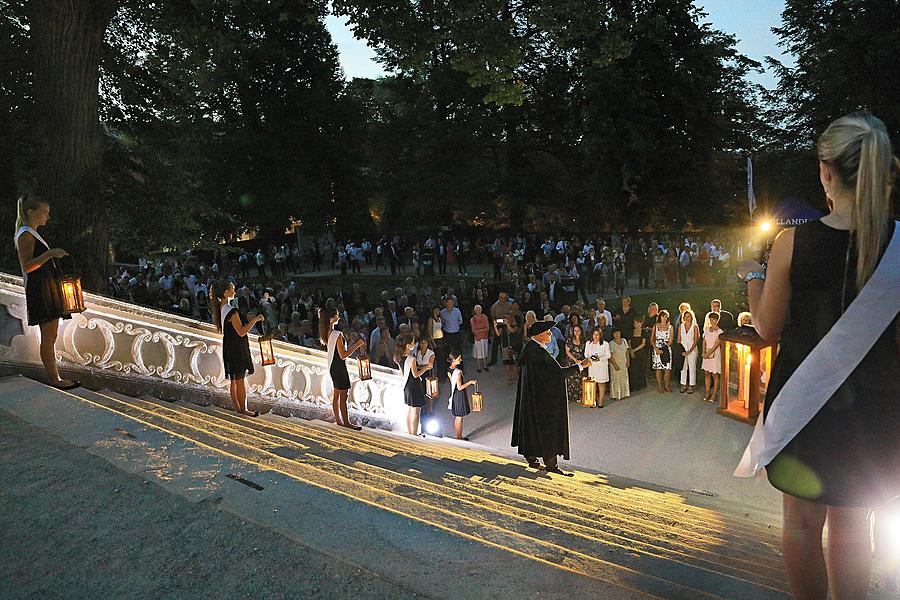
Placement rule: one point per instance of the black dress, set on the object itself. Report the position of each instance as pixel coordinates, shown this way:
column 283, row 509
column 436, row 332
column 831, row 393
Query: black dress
column 43, row 296
column 340, row 378
column 235, row 348
column 637, row 370
column 459, row 399
column 413, row 393
column 849, row 453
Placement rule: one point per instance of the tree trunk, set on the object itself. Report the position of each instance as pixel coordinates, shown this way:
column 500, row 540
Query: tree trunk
column 67, row 36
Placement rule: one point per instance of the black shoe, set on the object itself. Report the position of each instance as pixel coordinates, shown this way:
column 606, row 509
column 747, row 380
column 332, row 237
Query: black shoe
column 478, row 370
column 559, row 471
column 486, row 369
column 75, row 384
column 534, row 465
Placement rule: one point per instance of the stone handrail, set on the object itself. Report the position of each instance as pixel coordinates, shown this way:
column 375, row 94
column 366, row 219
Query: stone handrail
column 116, row 339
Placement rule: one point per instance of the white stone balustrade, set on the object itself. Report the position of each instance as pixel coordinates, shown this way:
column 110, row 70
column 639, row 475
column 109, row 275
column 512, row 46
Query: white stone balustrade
column 118, row 340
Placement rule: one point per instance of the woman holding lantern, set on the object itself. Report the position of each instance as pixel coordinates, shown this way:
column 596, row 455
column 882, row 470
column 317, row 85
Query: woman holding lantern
column 43, row 296
column 337, row 364
column 235, row 345
column 413, row 392
column 598, row 352
column 829, row 436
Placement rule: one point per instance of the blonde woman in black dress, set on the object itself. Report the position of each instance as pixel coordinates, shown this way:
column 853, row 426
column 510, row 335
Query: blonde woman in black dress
column 337, row 364
column 235, row 345
column 846, row 459
column 43, row 296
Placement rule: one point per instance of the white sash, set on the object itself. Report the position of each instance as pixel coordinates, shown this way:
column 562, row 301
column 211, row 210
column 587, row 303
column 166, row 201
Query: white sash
column 455, row 376
column 37, row 236
column 407, row 367
column 332, row 345
column 829, row 364
column 226, row 308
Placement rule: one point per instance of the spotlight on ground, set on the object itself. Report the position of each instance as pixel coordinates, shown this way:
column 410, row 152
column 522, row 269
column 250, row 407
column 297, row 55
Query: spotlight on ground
column 433, row 427
column 765, row 226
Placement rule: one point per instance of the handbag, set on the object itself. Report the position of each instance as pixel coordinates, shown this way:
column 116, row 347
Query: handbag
column 666, row 356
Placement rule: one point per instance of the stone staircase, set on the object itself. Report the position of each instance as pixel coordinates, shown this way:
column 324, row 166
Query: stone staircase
column 645, row 542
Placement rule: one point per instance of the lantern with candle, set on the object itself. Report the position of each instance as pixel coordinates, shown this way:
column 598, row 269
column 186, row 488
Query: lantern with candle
column 746, row 367
column 477, row 400
column 588, row 392
column 431, row 385
column 72, row 294
column 365, row 367
column 266, row 350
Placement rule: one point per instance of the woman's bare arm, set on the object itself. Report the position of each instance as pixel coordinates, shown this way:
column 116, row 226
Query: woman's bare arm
column 25, row 247
column 770, row 299
column 243, row 330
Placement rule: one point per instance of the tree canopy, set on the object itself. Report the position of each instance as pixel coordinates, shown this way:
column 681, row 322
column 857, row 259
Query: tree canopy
column 217, row 117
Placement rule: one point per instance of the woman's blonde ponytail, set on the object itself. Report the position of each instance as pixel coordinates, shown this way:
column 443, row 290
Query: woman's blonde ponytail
column 857, row 146
column 872, row 209
column 25, row 205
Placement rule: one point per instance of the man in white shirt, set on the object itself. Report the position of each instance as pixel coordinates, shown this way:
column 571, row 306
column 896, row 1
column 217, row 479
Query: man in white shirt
column 601, row 310
column 261, row 263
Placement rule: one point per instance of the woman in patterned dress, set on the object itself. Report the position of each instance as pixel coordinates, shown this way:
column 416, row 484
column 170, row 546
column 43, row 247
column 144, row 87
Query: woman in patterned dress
column 575, row 352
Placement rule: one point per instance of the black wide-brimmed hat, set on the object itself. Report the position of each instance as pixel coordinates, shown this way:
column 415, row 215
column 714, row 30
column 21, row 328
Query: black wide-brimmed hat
column 540, row 327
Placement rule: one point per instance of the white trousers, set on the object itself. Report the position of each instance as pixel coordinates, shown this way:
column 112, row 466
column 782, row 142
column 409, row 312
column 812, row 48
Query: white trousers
column 689, row 370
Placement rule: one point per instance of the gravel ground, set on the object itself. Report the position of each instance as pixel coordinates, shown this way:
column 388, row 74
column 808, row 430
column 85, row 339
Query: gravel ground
column 115, row 535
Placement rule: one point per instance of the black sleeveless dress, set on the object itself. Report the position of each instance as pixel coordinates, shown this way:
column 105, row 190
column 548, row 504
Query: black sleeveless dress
column 340, row 378
column 43, row 296
column 235, row 350
column 849, row 453
column 413, row 393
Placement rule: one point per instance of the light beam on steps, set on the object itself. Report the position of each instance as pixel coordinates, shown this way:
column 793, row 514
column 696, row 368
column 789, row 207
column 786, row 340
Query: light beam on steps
column 466, row 527
column 387, row 483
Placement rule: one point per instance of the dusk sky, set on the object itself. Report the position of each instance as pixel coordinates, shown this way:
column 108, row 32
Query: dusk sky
column 750, row 20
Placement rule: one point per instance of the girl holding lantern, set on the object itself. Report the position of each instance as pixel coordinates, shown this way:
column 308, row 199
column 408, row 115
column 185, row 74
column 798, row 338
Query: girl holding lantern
column 43, row 296
column 425, row 360
column 337, row 365
column 459, row 397
column 235, row 345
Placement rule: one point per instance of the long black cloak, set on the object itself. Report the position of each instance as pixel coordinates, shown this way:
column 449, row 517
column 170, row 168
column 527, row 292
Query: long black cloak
column 541, row 421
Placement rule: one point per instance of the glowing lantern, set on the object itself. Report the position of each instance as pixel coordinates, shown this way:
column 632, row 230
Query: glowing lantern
column 477, row 400
column 365, row 367
column 431, row 386
column 72, row 296
column 746, row 369
column 266, row 350
column 588, row 392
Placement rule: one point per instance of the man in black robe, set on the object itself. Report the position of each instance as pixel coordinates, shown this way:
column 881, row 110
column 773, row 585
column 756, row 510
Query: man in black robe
column 541, row 421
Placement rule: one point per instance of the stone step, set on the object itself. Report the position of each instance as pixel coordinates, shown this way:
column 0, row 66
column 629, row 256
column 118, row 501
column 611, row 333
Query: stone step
column 587, row 543
column 662, row 578
column 648, row 500
column 636, row 524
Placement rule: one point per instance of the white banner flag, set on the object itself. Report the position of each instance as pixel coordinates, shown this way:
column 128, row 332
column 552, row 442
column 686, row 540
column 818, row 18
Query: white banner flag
column 751, row 197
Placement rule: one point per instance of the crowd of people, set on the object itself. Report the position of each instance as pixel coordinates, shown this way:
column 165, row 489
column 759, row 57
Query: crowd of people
column 488, row 317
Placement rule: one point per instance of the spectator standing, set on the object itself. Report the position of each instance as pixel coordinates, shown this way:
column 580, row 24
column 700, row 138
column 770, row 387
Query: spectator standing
column 712, row 357
column 260, row 263
column 575, row 352
column 480, row 327
column 661, row 343
column 451, row 323
column 619, row 362
column 688, row 337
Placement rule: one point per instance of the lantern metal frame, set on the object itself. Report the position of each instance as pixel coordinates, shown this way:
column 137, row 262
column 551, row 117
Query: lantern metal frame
column 72, row 293
column 754, row 357
column 432, row 389
column 477, row 404
column 364, row 365
column 589, row 392
column 266, row 349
